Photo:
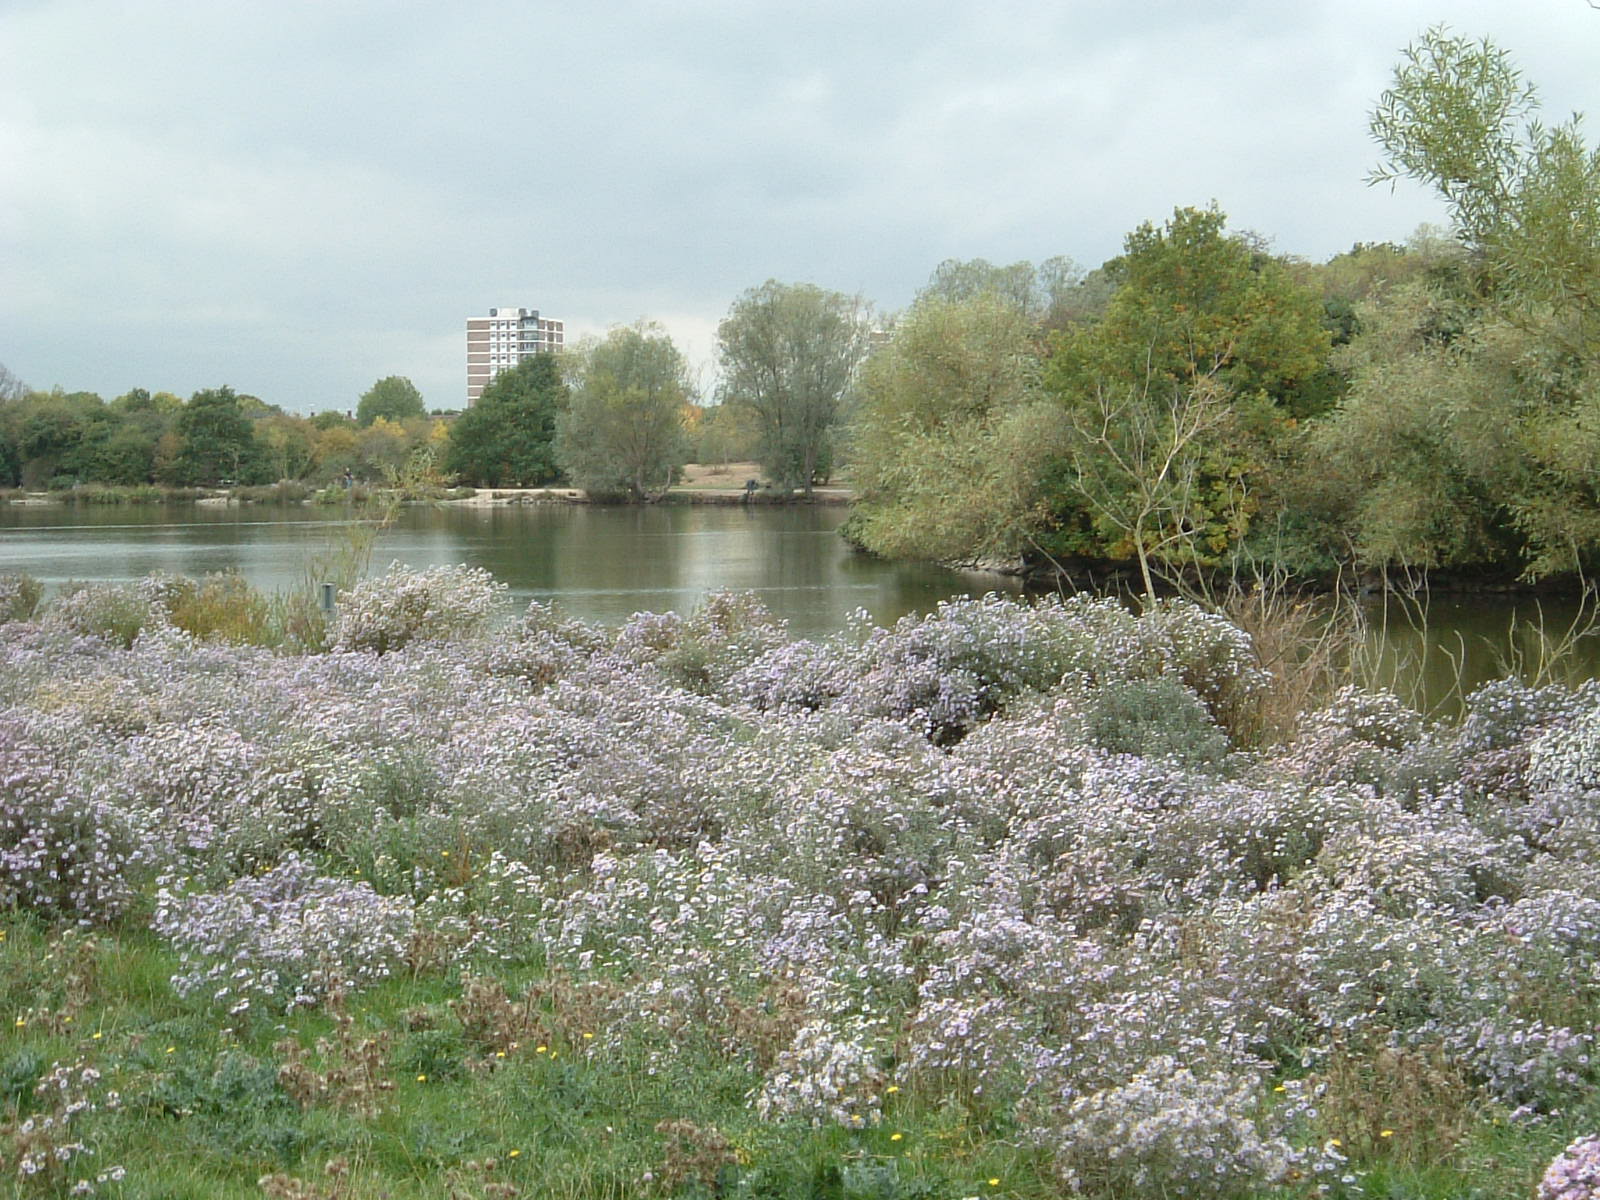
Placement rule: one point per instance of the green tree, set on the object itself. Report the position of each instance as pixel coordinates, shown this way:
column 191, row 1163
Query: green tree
column 1037, row 293
column 45, row 435
column 218, row 442
column 623, row 432
column 505, row 440
column 1195, row 302
column 1414, row 466
column 952, row 434
column 394, row 398
column 1181, row 398
column 726, row 433
column 1524, row 350
column 790, row 352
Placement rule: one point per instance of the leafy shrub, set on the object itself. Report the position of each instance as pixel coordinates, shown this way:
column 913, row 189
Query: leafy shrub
column 224, row 607
column 1153, row 718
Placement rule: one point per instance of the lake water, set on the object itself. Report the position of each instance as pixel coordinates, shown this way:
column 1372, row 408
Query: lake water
column 598, row 563
column 604, row 564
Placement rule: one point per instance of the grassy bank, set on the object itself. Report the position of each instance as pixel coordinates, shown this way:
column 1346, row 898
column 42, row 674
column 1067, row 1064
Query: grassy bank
column 1013, row 901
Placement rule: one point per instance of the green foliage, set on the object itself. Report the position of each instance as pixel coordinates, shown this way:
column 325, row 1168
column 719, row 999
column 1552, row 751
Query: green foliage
column 224, row 607
column 726, row 433
column 505, row 440
column 947, row 443
column 1415, row 466
column 1468, row 436
column 394, row 397
column 1179, row 399
column 1196, row 302
column 789, row 353
column 1044, row 294
column 218, row 442
column 1153, row 718
column 622, row 433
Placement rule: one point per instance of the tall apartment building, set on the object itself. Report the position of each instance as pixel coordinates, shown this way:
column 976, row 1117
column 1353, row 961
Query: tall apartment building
column 503, row 339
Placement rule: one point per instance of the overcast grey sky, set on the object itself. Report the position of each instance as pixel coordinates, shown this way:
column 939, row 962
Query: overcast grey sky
column 297, row 198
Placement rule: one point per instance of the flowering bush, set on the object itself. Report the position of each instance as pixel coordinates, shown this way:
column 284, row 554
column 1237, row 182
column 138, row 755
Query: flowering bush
column 825, row 1076
column 1167, row 1132
column 401, row 606
column 1574, row 1174
column 1016, row 851
column 19, row 597
column 118, row 612
column 64, row 852
column 283, row 938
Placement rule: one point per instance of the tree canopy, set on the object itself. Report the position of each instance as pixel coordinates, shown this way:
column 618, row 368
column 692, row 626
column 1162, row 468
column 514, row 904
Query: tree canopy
column 393, row 398
column 789, row 352
column 505, row 440
column 623, row 432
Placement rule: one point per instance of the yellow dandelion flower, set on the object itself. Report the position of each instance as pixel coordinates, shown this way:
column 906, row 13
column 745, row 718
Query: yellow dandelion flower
column 514, row 1154
column 893, row 1088
column 1335, row 1142
column 422, row 1079
column 98, row 1035
column 588, row 1036
column 1386, row 1133
column 895, row 1137
column 172, row 1049
column 994, row 1183
column 499, row 1053
column 21, row 1021
column 540, row 1049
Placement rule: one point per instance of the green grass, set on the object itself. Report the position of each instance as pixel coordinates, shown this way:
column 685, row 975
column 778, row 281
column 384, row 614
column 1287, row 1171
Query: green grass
column 205, row 1111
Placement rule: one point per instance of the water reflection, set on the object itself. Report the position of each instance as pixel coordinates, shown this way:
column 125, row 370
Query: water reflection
column 600, row 564
column 604, row 564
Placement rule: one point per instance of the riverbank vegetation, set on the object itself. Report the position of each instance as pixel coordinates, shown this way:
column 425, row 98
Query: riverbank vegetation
column 1202, row 403
column 1009, row 900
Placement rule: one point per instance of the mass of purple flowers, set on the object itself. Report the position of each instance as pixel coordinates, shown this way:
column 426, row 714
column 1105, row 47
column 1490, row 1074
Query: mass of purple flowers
column 1575, row 1173
column 1028, row 857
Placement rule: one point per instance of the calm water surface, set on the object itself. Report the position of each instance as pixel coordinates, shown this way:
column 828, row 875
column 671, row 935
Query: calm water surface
column 604, row 564
column 600, row 564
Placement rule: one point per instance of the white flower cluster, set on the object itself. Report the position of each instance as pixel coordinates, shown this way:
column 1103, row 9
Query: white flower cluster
column 1167, row 1132
column 826, row 1076
column 1574, row 1174
column 401, row 606
column 283, row 938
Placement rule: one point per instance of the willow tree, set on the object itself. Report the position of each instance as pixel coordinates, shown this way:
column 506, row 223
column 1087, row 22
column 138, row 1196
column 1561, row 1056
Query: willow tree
column 789, row 353
column 1524, row 198
column 952, row 433
column 622, row 434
